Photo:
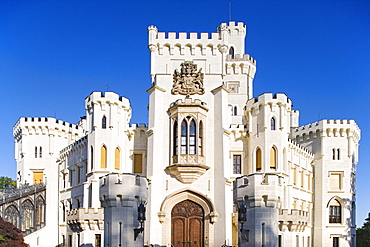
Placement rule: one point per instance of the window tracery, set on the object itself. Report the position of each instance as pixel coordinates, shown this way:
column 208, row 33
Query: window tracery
column 12, row 215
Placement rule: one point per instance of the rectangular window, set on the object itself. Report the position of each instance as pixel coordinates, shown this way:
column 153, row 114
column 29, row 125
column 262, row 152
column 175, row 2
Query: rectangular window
column 279, row 241
column 97, row 240
column 294, row 171
column 334, row 214
column 138, row 163
column 302, row 179
column 69, row 240
column 335, row 180
column 237, row 164
column 335, row 241
column 38, row 177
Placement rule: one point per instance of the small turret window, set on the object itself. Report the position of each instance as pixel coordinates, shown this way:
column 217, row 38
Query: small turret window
column 104, row 122
column 231, row 52
column 336, row 154
column 40, row 152
column 273, row 124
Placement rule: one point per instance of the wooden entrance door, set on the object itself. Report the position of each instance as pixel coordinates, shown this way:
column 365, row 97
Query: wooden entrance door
column 187, row 224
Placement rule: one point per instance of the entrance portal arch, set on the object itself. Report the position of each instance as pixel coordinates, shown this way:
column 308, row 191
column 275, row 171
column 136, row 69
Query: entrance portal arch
column 201, row 215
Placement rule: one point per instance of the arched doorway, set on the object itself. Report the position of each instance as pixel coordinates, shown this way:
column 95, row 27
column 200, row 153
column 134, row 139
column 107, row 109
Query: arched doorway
column 187, row 225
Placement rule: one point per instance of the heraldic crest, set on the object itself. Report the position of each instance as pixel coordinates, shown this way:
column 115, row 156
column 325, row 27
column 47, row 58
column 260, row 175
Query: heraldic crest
column 188, row 81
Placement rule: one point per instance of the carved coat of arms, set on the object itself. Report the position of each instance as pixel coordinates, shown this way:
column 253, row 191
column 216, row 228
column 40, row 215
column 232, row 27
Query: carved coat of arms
column 188, row 81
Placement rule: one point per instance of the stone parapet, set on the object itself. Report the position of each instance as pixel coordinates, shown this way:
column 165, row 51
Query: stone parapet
column 293, row 220
column 86, row 218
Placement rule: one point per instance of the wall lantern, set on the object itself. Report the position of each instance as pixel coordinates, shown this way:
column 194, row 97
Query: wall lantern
column 141, row 218
column 242, row 215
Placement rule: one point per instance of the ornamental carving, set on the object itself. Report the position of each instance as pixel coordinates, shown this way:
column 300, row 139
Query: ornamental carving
column 187, row 209
column 188, row 81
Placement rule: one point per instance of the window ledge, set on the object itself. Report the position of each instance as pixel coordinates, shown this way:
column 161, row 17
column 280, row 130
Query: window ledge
column 335, row 225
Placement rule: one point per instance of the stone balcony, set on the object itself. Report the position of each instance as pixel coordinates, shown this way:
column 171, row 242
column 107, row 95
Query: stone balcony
column 85, row 218
column 296, row 221
column 187, row 168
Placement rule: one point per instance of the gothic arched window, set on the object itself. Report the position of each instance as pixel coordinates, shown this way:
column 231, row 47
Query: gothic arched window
column 184, row 139
column 235, row 111
column 40, row 210
column 40, row 152
column 273, row 158
column 12, row 215
column 175, row 138
column 117, row 158
column 192, row 138
column 35, row 152
column 103, row 157
column 273, row 124
column 231, row 52
column 104, row 122
column 28, row 215
column 335, row 212
column 201, row 138
column 258, row 159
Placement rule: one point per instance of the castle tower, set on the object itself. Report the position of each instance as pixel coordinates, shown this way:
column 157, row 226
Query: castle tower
column 269, row 119
column 276, row 191
column 38, row 141
column 106, row 148
column 200, row 83
column 335, row 144
column 121, row 196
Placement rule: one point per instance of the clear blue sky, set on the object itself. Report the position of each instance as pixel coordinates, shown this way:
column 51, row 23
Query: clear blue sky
column 54, row 53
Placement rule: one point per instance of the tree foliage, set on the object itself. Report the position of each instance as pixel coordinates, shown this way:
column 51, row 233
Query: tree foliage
column 6, row 182
column 363, row 234
column 10, row 236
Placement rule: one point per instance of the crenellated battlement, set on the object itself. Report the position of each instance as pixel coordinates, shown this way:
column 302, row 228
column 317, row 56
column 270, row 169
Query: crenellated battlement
column 239, row 58
column 45, row 126
column 126, row 186
column 327, row 128
column 213, row 41
column 302, row 149
column 293, row 220
column 269, row 99
column 107, row 98
column 79, row 144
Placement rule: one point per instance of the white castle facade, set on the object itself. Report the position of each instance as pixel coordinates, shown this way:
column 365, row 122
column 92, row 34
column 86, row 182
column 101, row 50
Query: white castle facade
column 208, row 148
